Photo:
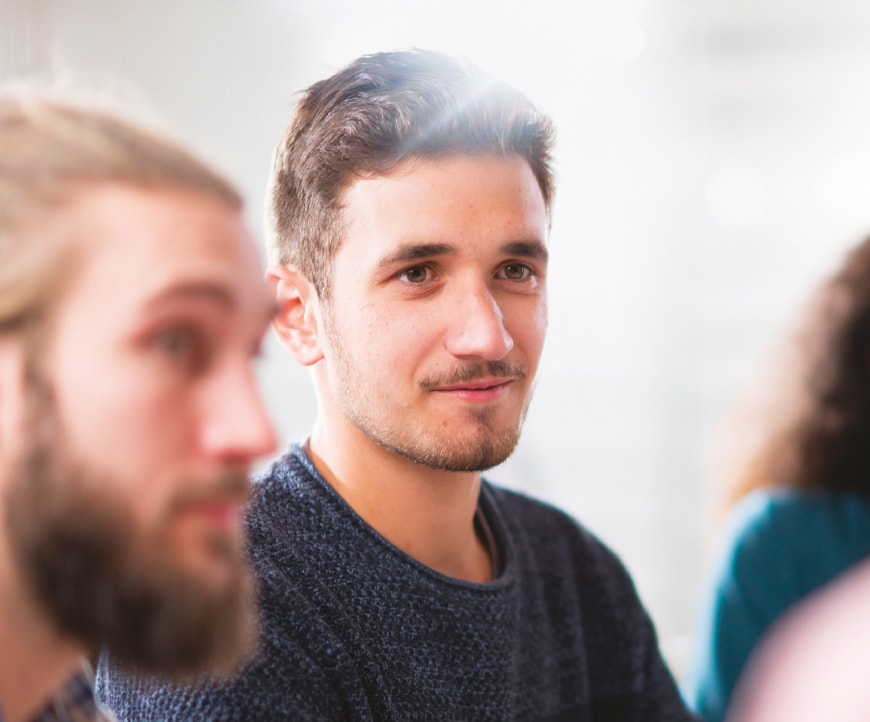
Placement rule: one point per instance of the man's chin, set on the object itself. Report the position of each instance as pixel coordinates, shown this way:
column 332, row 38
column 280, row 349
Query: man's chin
column 468, row 457
column 160, row 608
column 210, row 557
column 198, row 623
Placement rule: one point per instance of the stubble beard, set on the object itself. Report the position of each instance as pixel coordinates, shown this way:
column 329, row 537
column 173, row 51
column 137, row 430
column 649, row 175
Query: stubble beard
column 79, row 553
column 424, row 443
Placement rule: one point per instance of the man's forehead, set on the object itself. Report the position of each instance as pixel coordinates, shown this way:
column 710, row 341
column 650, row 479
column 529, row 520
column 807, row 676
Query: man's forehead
column 145, row 245
column 426, row 178
column 442, row 202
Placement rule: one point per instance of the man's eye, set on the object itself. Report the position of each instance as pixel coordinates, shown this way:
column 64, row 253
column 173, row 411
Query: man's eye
column 416, row 274
column 177, row 342
column 183, row 345
column 516, row 271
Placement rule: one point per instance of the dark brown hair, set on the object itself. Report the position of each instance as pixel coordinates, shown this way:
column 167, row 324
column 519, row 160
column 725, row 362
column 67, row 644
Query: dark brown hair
column 817, row 435
column 370, row 116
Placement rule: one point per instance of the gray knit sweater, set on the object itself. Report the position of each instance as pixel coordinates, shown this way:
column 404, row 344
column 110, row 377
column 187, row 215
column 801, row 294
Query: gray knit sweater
column 354, row 629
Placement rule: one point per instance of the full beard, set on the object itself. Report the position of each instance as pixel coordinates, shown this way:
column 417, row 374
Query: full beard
column 105, row 584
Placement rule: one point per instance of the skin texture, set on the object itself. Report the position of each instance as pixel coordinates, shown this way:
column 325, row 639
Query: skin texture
column 149, row 419
column 425, row 354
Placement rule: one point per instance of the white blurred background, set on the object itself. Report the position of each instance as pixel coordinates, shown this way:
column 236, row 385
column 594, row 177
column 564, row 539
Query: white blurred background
column 713, row 163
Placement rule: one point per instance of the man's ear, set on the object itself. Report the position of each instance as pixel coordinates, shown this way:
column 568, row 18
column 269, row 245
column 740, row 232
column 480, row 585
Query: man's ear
column 297, row 322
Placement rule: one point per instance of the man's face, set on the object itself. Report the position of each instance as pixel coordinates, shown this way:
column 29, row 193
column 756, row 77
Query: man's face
column 142, row 420
column 438, row 314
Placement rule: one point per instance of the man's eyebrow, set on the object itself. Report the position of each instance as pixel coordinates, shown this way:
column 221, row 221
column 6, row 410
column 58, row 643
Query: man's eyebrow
column 194, row 290
column 527, row 249
column 209, row 291
column 415, row 252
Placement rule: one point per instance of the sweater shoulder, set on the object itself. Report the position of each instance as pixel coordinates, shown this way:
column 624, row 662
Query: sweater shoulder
column 557, row 540
column 544, row 522
column 289, row 494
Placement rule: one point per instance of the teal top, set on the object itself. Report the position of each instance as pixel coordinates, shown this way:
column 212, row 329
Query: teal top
column 777, row 547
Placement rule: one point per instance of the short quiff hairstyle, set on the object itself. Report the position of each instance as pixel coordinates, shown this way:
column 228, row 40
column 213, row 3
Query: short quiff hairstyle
column 53, row 147
column 366, row 119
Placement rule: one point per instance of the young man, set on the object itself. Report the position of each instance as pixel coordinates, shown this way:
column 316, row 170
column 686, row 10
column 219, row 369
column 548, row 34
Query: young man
column 410, row 205
column 131, row 304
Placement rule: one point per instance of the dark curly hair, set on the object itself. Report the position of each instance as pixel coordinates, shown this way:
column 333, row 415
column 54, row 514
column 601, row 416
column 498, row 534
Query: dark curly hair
column 817, row 435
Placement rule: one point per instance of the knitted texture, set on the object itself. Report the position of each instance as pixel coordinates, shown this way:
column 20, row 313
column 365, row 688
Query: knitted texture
column 354, row 629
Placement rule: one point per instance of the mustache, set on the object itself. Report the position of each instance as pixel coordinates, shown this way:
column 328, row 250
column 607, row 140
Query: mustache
column 472, row 372
column 229, row 485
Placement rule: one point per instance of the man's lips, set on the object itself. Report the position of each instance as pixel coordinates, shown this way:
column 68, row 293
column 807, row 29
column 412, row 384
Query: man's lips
column 477, row 390
column 224, row 513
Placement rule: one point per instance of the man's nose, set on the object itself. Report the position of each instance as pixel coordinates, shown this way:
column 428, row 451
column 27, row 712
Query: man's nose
column 477, row 329
column 236, row 426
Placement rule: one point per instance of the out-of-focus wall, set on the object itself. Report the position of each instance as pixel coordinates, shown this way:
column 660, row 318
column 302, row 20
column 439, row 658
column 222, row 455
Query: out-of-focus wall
column 713, row 160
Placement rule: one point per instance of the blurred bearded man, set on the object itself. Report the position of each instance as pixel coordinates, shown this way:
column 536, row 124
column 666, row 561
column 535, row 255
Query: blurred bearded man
column 131, row 306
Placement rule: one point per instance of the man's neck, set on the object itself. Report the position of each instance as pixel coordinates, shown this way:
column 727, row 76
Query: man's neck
column 35, row 660
column 427, row 513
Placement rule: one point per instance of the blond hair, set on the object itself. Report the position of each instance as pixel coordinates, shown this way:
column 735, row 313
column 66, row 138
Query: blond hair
column 51, row 149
